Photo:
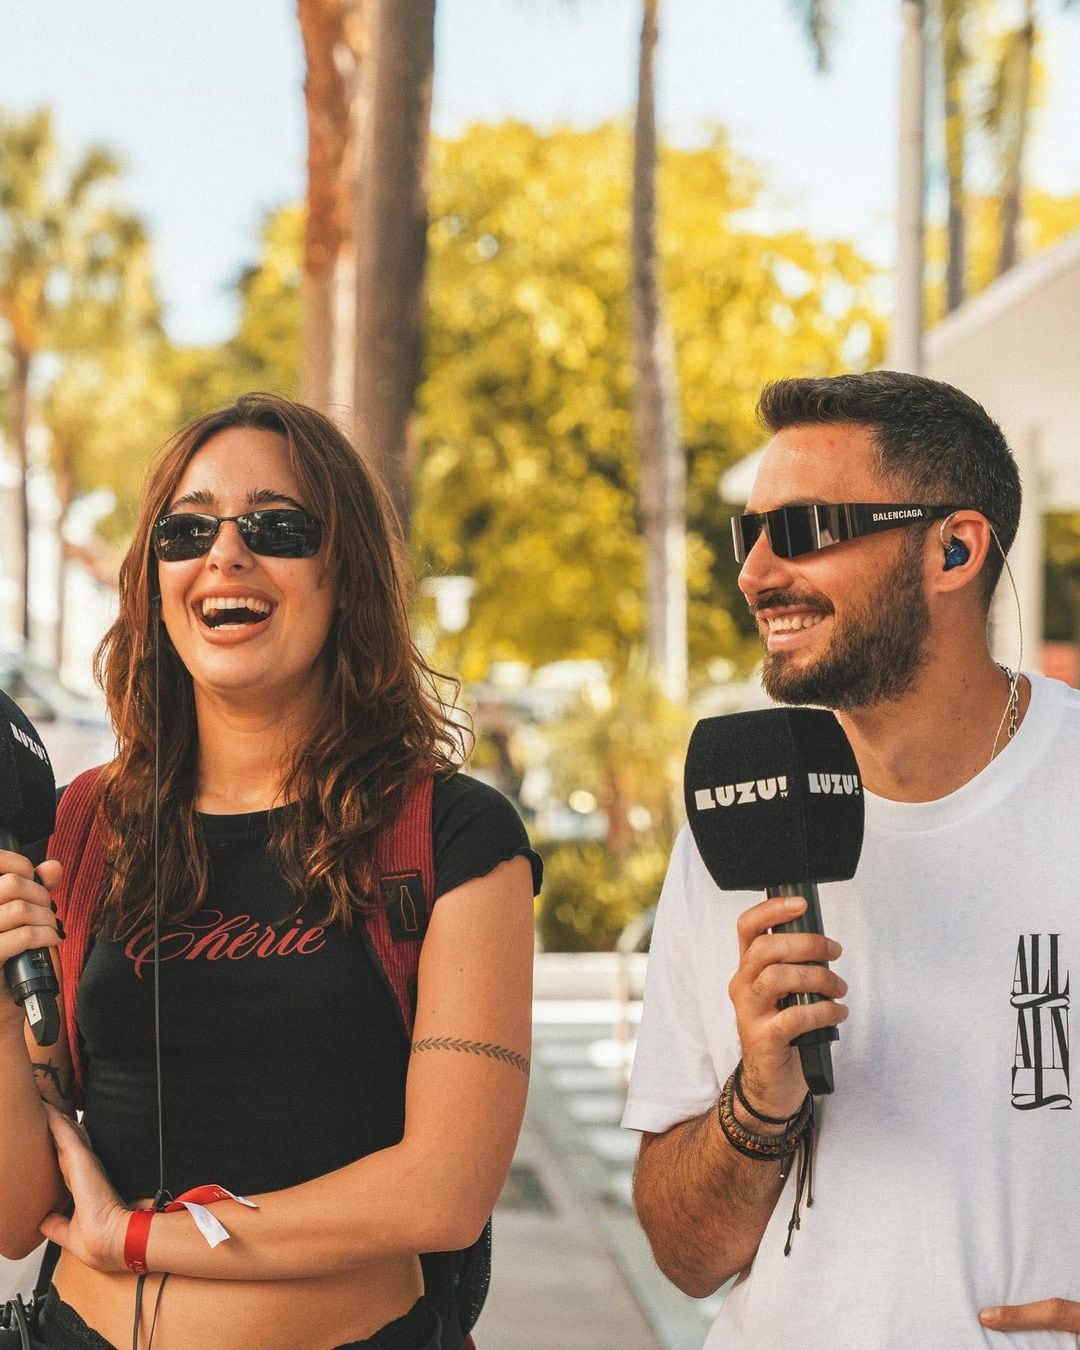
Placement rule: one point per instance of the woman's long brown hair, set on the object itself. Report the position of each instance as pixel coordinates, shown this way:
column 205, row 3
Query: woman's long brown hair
column 381, row 725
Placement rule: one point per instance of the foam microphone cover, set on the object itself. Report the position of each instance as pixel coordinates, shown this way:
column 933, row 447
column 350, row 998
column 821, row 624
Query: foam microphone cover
column 774, row 797
column 27, row 783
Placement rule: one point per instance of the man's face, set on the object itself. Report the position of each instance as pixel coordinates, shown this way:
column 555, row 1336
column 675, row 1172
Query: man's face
column 843, row 627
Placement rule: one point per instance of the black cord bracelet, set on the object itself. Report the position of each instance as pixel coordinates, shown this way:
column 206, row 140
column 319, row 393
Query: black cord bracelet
column 798, row 1137
column 786, row 1121
column 751, row 1144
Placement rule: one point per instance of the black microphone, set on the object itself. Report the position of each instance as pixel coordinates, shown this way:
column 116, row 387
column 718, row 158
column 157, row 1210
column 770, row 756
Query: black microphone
column 27, row 814
column 774, row 801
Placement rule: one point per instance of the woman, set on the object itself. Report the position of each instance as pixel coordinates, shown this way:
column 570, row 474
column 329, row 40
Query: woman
column 266, row 694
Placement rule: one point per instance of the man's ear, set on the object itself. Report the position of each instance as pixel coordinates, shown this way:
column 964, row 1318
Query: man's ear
column 960, row 550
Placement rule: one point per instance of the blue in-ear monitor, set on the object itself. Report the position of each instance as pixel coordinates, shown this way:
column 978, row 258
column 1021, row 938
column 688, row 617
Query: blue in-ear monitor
column 956, row 555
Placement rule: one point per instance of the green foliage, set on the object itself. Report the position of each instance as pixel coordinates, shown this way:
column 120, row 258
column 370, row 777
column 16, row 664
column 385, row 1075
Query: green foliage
column 76, row 286
column 589, row 897
column 107, row 413
column 1062, row 599
column 527, row 474
column 624, row 746
column 65, row 246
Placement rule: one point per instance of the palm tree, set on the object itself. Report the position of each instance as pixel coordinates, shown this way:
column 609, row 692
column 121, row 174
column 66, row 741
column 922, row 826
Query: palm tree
column 368, row 95
column 49, row 231
column 955, row 62
column 391, row 248
column 663, row 464
column 906, row 343
column 656, row 401
column 816, row 16
column 1007, row 118
column 109, row 405
column 333, row 34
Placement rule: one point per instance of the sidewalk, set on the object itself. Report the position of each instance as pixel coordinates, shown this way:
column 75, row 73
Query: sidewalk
column 572, row 1269
column 554, row 1284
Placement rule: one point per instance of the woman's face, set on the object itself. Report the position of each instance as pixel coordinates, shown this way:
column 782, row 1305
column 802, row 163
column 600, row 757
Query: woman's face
column 264, row 654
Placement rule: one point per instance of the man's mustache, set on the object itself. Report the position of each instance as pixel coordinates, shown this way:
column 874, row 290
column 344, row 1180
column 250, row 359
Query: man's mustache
column 791, row 600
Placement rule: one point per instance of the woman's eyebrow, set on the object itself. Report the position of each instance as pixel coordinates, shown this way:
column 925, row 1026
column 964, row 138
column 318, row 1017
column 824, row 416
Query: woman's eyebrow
column 257, row 497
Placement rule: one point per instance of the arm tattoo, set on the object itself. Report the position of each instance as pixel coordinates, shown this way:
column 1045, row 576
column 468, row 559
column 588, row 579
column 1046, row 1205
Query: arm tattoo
column 52, row 1074
column 474, row 1048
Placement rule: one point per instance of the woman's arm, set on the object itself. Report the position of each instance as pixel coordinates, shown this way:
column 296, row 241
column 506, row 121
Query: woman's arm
column 30, row 1181
column 465, row 1097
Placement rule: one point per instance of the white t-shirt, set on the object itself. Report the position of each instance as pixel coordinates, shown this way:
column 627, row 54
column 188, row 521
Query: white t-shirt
column 948, row 1159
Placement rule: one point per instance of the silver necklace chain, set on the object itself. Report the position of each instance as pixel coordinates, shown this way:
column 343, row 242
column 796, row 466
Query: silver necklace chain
column 1012, row 708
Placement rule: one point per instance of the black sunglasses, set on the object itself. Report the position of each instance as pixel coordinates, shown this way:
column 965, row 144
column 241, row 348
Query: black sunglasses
column 283, row 533
column 792, row 530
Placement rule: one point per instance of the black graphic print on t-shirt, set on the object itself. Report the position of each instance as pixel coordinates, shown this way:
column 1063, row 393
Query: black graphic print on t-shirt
column 1040, row 995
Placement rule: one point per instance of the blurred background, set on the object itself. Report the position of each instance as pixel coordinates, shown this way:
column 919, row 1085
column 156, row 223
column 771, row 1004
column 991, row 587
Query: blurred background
column 538, row 257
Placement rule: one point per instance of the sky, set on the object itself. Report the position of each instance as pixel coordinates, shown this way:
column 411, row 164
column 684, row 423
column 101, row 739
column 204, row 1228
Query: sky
column 203, row 102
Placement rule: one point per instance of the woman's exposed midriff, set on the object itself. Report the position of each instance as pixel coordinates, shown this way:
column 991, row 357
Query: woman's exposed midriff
column 318, row 1312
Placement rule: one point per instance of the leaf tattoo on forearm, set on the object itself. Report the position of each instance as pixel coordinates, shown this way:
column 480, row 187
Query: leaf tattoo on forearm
column 52, row 1075
column 499, row 1052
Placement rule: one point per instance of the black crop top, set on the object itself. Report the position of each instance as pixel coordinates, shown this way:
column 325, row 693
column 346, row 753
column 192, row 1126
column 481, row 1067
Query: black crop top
column 282, row 1051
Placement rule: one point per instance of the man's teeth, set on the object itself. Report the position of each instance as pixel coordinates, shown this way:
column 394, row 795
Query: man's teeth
column 793, row 624
column 215, row 603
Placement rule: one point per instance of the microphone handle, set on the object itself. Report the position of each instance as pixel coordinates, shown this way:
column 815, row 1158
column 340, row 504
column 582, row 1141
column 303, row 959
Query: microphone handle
column 31, row 978
column 813, row 1046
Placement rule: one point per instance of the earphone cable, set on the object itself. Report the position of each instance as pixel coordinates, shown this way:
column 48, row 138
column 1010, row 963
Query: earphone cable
column 1014, row 675
column 161, row 1197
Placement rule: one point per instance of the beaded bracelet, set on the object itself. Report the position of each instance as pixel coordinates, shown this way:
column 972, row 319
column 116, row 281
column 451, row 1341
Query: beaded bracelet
column 797, row 1138
column 761, row 1147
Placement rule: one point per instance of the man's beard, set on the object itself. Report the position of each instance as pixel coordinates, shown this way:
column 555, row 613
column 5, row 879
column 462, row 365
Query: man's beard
column 874, row 658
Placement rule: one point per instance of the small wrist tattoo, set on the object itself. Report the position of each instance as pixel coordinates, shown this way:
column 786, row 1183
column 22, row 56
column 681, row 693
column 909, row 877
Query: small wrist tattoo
column 499, row 1052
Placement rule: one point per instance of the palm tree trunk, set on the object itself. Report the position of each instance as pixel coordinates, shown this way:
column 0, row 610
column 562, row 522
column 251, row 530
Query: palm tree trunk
column 905, row 349
column 1012, row 185
column 954, row 59
column 663, row 469
column 64, row 481
column 20, row 404
column 332, row 35
column 391, row 250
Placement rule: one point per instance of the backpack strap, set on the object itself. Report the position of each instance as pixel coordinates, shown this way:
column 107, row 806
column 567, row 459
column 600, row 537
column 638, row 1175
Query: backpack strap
column 405, row 857
column 79, row 842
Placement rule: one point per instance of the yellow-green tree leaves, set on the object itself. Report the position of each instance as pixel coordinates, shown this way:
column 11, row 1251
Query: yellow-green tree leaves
column 527, row 480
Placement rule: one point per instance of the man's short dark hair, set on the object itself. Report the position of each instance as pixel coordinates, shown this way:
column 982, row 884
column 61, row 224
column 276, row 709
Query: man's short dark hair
column 938, row 445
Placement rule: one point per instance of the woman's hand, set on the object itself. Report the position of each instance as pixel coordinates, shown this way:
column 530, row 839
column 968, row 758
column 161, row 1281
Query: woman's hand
column 96, row 1230
column 27, row 919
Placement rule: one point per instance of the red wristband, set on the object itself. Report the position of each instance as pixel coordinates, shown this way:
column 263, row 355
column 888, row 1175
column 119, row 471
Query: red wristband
column 199, row 1195
column 135, row 1240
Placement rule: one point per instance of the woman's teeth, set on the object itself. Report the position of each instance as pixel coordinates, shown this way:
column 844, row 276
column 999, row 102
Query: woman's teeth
column 794, row 623
column 219, row 610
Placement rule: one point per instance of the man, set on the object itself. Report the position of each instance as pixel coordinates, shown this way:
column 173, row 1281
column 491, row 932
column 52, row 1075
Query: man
column 946, row 1194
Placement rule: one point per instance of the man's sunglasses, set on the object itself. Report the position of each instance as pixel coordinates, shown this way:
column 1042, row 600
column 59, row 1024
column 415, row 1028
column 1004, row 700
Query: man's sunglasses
column 275, row 534
column 792, row 530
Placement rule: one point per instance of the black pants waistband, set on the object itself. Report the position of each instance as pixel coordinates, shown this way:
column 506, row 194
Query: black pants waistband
column 61, row 1328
